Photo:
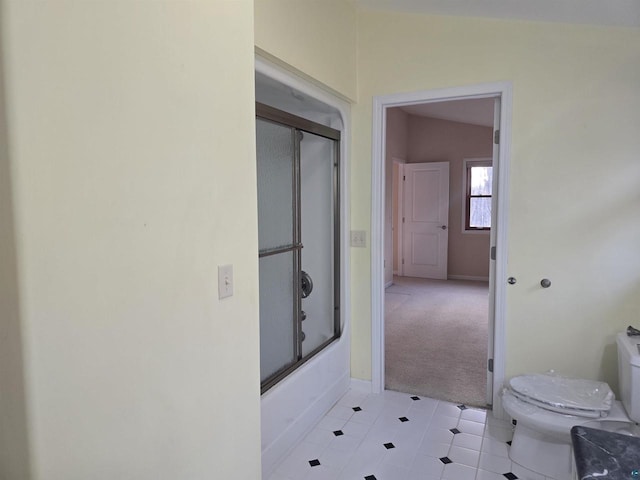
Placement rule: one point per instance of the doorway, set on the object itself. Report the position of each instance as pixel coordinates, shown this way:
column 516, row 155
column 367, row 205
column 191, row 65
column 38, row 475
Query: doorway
column 501, row 91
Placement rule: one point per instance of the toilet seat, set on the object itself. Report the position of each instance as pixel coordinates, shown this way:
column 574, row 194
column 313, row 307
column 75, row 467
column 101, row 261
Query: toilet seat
column 549, row 421
column 569, row 396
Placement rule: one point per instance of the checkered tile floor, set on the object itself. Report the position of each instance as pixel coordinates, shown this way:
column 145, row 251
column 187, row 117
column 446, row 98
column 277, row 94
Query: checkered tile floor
column 397, row 436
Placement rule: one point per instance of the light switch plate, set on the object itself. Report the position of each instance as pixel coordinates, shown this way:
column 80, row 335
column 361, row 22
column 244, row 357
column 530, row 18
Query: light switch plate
column 358, row 238
column 225, row 281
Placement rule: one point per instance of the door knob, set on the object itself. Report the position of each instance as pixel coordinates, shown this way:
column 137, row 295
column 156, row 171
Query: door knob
column 443, row 227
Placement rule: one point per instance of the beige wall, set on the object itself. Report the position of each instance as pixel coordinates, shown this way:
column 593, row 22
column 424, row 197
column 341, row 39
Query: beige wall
column 14, row 447
column 131, row 134
column 573, row 204
column 315, row 38
column 433, row 140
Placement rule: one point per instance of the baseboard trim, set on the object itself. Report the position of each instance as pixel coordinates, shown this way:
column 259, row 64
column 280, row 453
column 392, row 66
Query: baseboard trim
column 467, row 277
column 388, row 284
column 360, row 385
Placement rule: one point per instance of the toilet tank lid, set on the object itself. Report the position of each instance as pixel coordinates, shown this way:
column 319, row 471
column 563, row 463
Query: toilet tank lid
column 632, row 347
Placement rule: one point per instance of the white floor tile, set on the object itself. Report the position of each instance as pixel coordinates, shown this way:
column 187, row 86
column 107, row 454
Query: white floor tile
column 356, row 429
column 474, row 415
column 494, row 463
column 473, row 442
column 418, row 435
column 389, row 471
column 495, row 447
column 320, row 437
column 455, row 471
column 468, row 426
column 448, row 409
column 464, row 456
column 440, row 435
column 486, row 475
column 340, row 411
column 322, row 472
column 431, row 467
column 525, row 474
column 331, row 423
column 443, row 421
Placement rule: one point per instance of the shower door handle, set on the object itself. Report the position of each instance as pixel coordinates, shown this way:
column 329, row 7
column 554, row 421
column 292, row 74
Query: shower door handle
column 306, row 284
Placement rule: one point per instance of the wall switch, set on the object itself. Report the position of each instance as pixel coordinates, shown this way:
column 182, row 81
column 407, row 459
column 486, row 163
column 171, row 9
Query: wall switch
column 358, row 238
column 225, row 281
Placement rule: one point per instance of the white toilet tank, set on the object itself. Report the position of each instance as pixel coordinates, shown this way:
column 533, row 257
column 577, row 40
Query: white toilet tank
column 629, row 374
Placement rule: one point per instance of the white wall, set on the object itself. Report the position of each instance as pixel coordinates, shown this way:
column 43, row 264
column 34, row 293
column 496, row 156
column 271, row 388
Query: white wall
column 131, row 132
column 574, row 214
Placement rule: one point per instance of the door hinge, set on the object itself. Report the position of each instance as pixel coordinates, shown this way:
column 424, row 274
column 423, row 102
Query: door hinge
column 496, row 137
column 493, row 253
column 402, row 219
column 490, row 365
column 403, row 261
column 404, row 177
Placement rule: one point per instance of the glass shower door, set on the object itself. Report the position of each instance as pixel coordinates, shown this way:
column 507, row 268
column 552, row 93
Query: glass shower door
column 298, row 229
column 279, row 250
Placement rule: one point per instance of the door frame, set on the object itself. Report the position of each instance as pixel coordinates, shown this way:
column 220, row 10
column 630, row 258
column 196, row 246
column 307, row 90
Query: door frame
column 397, row 213
column 503, row 90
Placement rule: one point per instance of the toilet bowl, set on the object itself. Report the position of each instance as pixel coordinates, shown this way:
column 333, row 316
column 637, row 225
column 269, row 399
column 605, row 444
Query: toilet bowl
column 546, row 406
column 542, row 439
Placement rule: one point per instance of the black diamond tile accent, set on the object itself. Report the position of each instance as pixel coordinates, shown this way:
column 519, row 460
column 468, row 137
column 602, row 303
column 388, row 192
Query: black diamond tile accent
column 446, row 460
column 370, row 477
column 462, row 407
column 415, row 398
column 510, row 476
column 314, row 463
column 509, row 443
column 389, row 446
column 455, row 431
column 403, row 419
column 356, row 409
column 337, row 433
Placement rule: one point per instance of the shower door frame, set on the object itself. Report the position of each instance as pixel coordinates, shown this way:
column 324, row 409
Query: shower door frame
column 298, row 125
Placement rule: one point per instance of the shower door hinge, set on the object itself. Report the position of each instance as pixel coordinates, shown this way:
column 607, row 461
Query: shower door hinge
column 490, row 365
column 493, row 253
column 496, row 137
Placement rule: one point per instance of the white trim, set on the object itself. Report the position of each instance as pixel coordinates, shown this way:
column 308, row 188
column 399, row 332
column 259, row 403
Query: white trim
column 468, row 277
column 358, row 385
column 380, row 104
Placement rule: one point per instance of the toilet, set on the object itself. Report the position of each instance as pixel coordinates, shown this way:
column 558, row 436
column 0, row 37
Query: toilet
column 546, row 406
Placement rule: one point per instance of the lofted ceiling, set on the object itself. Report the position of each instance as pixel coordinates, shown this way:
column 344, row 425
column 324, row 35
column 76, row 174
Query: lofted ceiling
column 624, row 13
column 474, row 111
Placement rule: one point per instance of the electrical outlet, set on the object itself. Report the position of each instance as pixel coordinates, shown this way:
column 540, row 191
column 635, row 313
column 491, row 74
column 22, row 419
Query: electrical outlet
column 358, row 238
column 225, row 281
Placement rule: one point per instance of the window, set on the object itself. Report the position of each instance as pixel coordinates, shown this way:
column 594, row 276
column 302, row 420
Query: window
column 478, row 185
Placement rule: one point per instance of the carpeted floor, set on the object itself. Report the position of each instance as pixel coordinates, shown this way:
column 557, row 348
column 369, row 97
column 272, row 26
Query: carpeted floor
column 436, row 334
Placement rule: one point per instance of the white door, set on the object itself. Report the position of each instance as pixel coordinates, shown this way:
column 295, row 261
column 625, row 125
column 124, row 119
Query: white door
column 426, row 219
column 492, row 249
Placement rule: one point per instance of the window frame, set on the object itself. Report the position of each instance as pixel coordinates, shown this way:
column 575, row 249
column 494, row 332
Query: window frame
column 466, row 193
